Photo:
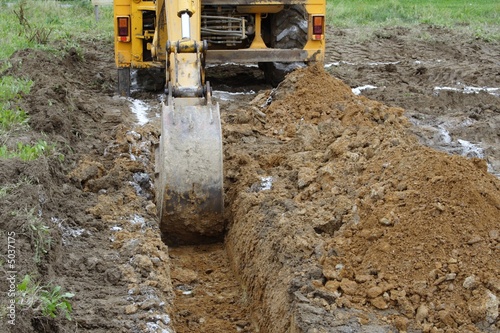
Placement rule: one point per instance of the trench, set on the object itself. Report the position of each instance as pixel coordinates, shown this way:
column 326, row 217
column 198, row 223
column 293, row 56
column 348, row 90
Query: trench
column 208, row 295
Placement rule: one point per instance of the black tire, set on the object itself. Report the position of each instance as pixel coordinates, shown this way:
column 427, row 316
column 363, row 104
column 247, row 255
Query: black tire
column 288, row 30
column 124, row 81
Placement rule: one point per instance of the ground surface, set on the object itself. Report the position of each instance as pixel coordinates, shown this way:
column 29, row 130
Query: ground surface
column 338, row 218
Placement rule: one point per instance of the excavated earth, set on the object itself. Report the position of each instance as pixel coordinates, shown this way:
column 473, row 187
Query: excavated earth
column 377, row 212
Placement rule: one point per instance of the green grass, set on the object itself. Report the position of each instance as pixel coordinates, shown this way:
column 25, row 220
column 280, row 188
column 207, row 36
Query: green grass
column 27, row 152
column 50, row 301
column 480, row 17
column 51, row 25
column 11, row 89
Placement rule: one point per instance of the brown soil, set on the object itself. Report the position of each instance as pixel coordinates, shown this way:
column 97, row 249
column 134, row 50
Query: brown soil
column 339, row 219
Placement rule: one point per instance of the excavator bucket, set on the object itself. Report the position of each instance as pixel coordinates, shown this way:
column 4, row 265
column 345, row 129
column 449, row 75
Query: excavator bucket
column 189, row 169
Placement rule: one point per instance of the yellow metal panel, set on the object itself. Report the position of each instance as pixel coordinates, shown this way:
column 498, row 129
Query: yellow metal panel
column 122, row 49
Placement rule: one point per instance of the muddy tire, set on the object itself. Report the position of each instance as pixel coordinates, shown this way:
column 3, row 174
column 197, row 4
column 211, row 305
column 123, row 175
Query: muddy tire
column 124, row 81
column 288, row 31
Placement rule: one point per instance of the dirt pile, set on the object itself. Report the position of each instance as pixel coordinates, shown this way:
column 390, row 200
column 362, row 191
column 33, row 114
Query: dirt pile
column 349, row 211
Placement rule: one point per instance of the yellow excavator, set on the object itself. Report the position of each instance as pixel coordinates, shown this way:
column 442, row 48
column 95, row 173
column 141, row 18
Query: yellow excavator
column 176, row 38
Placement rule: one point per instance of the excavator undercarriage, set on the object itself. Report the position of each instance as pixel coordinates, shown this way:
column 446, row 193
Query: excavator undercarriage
column 179, row 37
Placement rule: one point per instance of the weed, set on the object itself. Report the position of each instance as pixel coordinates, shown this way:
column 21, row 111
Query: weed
column 27, row 152
column 33, row 33
column 53, row 302
column 6, row 189
column 40, row 236
column 12, row 119
column 28, row 293
column 12, row 88
column 37, row 231
column 48, row 300
column 4, row 65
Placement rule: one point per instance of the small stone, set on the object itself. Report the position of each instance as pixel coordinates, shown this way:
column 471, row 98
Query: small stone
column 483, row 306
column 131, row 309
column 379, row 303
column 440, row 280
column 422, row 313
column 317, row 283
column 492, row 303
column 439, row 206
column 332, row 285
column 374, row 292
column 451, row 276
column 143, row 262
column 494, row 234
column 362, row 278
column 433, row 274
column 148, row 304
column 349, row 287
column 385, row 221
column 305, row 177
column 363, row 319
column 401, row 323
column 331, row 274
column 151, row 208
column 470, row 282
column 475, row 239
column 447, row 319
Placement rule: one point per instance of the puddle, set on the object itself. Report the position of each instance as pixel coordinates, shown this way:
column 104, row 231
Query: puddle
column 231, row 64
column 468, row 90
column 266, row 183
column 140, row 109
column 358, row 90
column 435, row 134
column 229, row 96
column 381, row 63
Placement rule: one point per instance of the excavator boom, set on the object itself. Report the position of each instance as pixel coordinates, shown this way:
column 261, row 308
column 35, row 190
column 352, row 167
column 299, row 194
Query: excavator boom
column 189, row 167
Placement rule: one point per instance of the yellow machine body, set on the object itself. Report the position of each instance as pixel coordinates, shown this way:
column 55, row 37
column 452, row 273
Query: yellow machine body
column 143, row 50
column 180, row 37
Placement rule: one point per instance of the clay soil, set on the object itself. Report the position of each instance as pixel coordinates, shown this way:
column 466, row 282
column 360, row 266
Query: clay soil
column 343, row 213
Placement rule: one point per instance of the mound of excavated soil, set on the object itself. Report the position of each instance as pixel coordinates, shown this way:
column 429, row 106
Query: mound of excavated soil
column 343, row 210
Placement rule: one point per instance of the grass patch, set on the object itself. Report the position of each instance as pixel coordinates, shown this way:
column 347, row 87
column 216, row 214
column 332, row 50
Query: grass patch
column 50, row 301
column 37, row 231
column 480, row 17
column 11, row 119
column 27, row 152
column 51, row 25
column 12, row 88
